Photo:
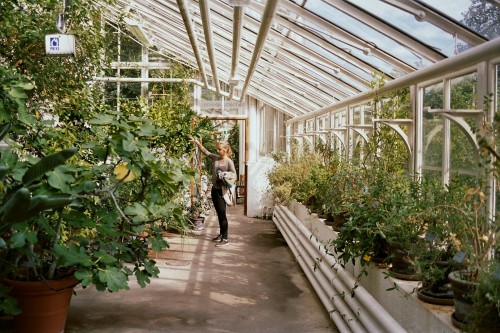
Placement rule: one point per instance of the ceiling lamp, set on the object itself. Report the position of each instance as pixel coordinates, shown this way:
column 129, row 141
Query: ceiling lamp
column 138, row 31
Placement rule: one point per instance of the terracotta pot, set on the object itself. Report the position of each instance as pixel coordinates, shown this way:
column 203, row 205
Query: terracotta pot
column 44, row 304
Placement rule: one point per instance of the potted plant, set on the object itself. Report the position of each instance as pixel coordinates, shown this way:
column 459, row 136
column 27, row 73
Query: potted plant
column 116, row 192
column 344, row 185
column 475, row 233
column 92, row 220
column 434, row 254
column 30, row 228
column 122, row 211
column 476, row 286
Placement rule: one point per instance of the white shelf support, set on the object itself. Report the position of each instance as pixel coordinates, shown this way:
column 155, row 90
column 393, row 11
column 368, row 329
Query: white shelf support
column 395, row 124
column 458, row 117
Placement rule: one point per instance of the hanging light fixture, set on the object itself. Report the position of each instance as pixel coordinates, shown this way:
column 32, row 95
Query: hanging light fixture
column 138, row 31
column 62, row 43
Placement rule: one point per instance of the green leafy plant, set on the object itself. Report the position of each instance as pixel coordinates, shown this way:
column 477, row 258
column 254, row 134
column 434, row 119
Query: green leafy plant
column 97, row 210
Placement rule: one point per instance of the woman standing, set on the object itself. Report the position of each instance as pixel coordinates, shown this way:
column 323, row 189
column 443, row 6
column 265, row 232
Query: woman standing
column 222, row 163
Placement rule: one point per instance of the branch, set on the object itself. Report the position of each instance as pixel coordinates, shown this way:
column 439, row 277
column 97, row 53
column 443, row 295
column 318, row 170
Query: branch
column 118, row 207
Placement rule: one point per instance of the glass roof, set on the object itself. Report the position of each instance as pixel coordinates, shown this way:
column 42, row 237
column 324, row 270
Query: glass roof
column 301, row 55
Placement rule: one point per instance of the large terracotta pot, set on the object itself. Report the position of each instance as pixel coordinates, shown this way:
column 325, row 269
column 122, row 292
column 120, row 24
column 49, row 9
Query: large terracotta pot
column 44, row 304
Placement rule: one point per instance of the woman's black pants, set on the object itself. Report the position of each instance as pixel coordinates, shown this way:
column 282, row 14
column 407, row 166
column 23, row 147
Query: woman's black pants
column 220, row 208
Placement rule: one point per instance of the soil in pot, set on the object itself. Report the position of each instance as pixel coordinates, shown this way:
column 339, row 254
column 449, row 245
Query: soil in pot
column 380, row 251
column 336, row 221
column 439, row 291
column 441, row 295
column 401, row 265
column 44, row 304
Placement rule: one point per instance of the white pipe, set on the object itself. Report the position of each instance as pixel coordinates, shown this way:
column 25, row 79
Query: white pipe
column 265, row 26
column 186, row 17
column 371, row 314
column 325, row 298
column 237, row 28
column 340, row 294
column 207, row 30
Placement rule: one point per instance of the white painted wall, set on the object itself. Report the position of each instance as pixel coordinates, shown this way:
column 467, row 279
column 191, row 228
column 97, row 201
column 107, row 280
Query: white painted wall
column 257, row 190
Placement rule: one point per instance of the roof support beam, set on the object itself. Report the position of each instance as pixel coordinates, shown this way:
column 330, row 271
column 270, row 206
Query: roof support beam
column 465, row 59
column 207, row 30
column 186, row 17
column 266, row 22
column 321, row 43
column 237, row 28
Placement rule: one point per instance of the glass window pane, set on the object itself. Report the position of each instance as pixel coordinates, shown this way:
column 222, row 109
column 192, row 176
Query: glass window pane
column 356, row 114
column 433, row 134
column 463, row 154
column 463, row 92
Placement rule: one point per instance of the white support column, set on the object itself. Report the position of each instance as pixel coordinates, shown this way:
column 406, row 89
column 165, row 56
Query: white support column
column 253, row 196
column 349, row 146
column 118, row 84
column 486, row 85
column 445, row 167
column 418, row 135
column 242, row 147
column 288, row 138
column 197, row 98
column 145, row 74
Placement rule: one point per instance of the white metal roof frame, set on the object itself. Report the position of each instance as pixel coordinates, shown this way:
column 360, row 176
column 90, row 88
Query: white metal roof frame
column 297, row 56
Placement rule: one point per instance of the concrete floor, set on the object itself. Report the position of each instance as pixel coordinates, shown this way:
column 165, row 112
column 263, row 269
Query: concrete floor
column 252, row 285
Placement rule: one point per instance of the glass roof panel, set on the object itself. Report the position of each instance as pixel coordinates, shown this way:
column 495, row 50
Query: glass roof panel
column 363, row 32
column 427, row 32
column 481, row 16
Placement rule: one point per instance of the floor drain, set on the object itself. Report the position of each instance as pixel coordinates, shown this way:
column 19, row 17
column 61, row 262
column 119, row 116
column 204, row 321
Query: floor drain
column 178, row 262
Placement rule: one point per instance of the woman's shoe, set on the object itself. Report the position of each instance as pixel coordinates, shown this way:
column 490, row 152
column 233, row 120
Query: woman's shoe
column 223, row 242
column 217, row 239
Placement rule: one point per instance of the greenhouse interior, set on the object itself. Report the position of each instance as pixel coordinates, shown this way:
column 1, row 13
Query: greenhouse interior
column 345, row 151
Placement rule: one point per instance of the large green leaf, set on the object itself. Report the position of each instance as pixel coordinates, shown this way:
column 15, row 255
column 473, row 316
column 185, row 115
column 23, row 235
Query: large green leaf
column 129, row 145
column 85, row 275
column 47, row 164
column 114, row 278
column 142, row 277
column 74, row 255
column 16, row 208
column 4, row 129
column 105, row 258
column 102, row 119
column 138, row 211
column 18, row 240
column 17, row 92
column 60, row 179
